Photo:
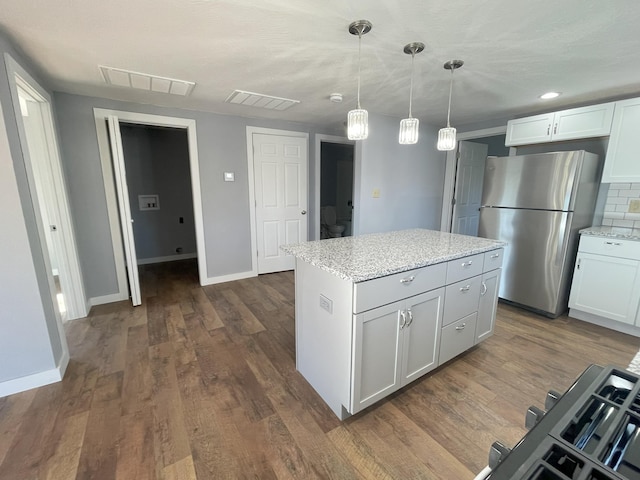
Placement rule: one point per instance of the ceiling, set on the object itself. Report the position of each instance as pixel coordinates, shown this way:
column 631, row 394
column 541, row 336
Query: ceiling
column 301, row 49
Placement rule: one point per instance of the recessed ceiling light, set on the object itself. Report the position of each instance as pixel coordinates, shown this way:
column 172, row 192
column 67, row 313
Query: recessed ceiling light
column 549, row 95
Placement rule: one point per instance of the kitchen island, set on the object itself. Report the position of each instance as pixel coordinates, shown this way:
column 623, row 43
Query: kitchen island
column 375, row 312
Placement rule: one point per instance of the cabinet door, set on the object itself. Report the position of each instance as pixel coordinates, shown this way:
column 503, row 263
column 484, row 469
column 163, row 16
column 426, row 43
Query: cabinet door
column 606, row 286
column 584, row 122
column 376, row 355
column 621, row 164
column 421, row 338
column 488, row 305
column 524, row 131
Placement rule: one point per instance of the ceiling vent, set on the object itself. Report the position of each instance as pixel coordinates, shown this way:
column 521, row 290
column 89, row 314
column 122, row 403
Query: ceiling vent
column 259, row 100
column 145, row 81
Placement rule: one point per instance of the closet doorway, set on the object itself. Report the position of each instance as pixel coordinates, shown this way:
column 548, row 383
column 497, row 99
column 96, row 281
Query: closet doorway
column 153, row 197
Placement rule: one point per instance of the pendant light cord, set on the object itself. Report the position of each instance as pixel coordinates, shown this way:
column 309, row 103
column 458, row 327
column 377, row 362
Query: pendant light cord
column 413, row 56
column 359, row 50
column 450, row 91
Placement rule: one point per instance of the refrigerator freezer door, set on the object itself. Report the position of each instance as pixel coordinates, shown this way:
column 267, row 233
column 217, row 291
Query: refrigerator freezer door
column 535, row 260
column 543, row 181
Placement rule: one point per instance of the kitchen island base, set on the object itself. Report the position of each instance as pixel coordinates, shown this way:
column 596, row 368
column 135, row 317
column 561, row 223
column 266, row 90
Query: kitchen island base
column 358, row 342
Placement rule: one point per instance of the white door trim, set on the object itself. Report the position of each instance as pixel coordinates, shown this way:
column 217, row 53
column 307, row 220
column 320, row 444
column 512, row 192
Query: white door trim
column 252, row 186
column 450, row 172
column 101, row 115
column 317, row 173
column 76, row 301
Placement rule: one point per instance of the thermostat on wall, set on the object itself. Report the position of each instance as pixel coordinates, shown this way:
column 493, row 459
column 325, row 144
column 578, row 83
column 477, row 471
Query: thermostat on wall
column 149, row 202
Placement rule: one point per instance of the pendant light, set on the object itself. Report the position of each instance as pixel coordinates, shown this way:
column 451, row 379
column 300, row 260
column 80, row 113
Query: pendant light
column 447, row 136
column 409, row 127
column 358, row 119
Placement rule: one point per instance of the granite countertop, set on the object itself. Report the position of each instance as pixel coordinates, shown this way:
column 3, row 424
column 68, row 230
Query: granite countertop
column 612, row 232
column 366, row 257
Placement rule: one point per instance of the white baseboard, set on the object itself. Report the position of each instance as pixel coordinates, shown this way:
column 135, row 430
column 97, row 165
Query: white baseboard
column 114, row 297
column 229, row 278
column 605, row 322
column 35, row 380
column 168, row 258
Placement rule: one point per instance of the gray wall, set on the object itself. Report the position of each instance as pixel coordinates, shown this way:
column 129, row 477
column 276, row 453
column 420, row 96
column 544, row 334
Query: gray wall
column 157, row 162
column 222, row 147
column 30, row 339
column 410, row 179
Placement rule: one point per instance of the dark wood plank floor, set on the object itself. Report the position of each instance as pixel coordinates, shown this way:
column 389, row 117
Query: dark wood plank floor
column 201, row 383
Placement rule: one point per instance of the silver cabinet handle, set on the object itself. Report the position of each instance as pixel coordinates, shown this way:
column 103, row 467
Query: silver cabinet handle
column 408, row 279
column 555, row 129
column 303, row 212
column 467, row 264
column 617, row 244
column 548, row 129
column 461, row 327
column 483, row 291
column 403, row 319
column 410, row 313
column 495, row 255
column 465, row 288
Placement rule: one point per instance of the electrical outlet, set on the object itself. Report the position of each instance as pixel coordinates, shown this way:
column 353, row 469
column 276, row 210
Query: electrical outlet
column 376, row 193
column 634, row 206
column 326, row 304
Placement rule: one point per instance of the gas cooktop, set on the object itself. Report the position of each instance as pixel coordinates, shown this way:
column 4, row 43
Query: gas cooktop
column 592, row 432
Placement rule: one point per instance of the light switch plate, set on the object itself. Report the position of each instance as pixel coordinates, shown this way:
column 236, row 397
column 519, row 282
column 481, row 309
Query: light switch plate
column 376, row 193
column 148, row 202
column 229, row 177
column 634, row 206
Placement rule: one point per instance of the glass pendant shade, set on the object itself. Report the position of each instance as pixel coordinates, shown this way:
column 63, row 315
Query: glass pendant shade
column 358, row 124
column 409, row 128
column 446, row 139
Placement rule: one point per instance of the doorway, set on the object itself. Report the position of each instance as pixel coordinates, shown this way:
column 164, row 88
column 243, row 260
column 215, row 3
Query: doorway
column 46, row 182
column 462, row 179
column 154, row 217
column 334, row 186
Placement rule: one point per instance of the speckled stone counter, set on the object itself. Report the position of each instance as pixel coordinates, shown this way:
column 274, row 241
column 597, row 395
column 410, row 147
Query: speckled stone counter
column 366, row 257
column 612, row 232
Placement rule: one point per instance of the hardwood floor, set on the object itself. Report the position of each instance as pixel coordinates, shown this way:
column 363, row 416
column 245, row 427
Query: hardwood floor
column 201, row 383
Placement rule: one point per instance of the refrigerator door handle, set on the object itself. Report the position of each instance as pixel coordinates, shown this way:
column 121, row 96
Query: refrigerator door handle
column 564, row 238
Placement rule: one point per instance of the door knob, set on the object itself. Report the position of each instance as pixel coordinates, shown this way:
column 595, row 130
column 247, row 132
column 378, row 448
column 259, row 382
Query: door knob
column 303, row 212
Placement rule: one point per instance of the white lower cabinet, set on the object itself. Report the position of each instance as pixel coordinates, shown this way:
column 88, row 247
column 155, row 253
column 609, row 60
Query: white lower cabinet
column 394, row 345
column 606, row 281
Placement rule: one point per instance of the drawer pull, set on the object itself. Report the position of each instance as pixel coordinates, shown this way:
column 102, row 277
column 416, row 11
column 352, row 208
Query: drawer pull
column 617, row 244
column 461, row 327
column 466, row 288
column 467, row 264
column 408, row 280
column 495, row 255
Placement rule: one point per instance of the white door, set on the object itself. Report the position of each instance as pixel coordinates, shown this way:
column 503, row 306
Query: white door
column 468, row 189
column 280, row 176
column 126, row 222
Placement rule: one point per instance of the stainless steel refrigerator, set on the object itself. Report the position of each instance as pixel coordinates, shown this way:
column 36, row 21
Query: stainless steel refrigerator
column 538, row 203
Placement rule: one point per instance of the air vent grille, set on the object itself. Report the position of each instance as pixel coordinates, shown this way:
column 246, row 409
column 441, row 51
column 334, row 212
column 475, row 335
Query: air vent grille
column 259, row 100
column 146, row 81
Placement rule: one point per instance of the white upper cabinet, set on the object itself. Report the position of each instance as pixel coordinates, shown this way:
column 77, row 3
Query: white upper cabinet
column 575, row 123
column 622, row 163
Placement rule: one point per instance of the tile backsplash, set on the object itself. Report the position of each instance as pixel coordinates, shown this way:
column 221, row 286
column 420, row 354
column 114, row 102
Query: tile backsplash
column 616, row 210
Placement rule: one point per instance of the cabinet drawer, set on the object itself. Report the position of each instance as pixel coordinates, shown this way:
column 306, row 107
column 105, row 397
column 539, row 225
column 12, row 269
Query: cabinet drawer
column 612, row 247
column 381, row 291
column 461, row 299
column 493, row 260
column 466, row 267
column 457, row 338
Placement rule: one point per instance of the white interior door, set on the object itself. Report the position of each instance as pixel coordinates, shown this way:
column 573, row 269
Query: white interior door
column 126, row 221
column 468, row 188
column 280, row 176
